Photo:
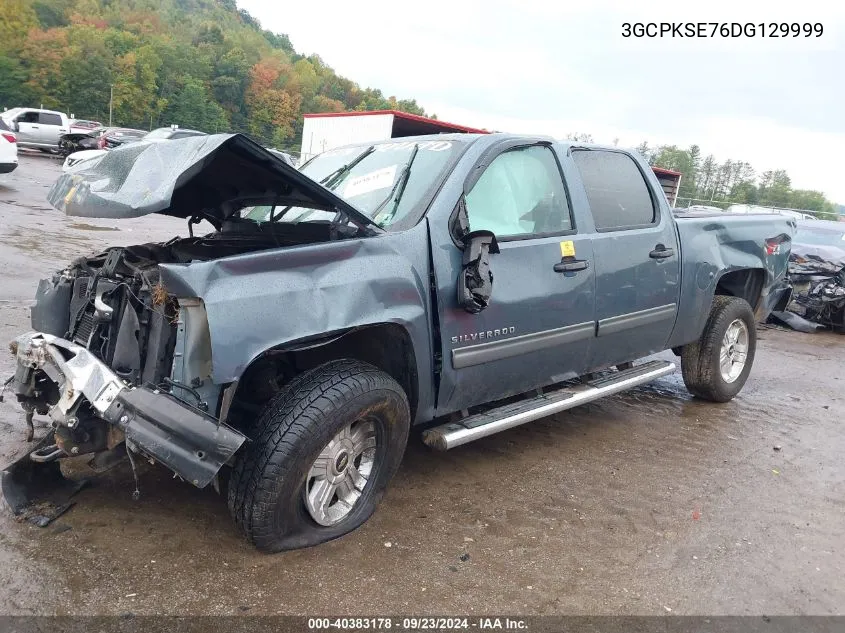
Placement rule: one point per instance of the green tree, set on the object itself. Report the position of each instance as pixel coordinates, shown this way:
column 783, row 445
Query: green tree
column 775, row 188
column 135, row 86
column 13, row 88
column 16, row 20
column 813, row 201
column 192, row 107
column 87, row 72
column 744, row 193
column 51, row 13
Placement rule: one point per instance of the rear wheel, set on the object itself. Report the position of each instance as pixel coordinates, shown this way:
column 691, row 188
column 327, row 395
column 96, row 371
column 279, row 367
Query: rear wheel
column 716, row 366
column 324, row 452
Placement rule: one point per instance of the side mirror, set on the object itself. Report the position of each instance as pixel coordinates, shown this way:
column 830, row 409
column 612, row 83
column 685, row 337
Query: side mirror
column 15, row 126
column 475, row 284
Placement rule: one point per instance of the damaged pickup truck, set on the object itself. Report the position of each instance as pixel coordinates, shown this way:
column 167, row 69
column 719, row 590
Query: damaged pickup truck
column 458, row 284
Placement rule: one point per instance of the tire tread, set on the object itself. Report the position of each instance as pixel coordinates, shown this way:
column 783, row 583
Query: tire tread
column 290, row 421
column 699, row 371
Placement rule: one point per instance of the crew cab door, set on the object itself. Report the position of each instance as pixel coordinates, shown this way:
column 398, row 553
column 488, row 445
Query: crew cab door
column 538, row 323
column 28, row 128
column 637, row 259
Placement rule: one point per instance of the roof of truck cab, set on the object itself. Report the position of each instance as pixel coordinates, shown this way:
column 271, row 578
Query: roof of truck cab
column 490, row 138
column 487, row 139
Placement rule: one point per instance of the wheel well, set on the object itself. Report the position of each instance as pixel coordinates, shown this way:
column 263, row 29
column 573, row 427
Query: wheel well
column 386, row 346
column 746, row 284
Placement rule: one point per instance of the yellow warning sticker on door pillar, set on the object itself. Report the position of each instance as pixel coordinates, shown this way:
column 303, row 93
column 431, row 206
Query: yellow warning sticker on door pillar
column 567, row 249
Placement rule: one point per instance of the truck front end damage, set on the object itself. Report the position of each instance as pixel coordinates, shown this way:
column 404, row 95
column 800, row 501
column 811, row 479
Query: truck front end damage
column 121, row 364
column 93, row 409
column 114, row 358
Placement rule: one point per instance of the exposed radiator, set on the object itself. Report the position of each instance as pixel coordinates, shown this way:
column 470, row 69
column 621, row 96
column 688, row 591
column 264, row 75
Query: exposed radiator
column 82, row 336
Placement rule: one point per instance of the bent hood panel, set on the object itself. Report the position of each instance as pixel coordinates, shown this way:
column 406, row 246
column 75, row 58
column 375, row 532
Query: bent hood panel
column 209, row 176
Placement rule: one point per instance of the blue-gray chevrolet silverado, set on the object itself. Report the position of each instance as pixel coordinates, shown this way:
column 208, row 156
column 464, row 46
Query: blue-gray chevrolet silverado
column 460, row 284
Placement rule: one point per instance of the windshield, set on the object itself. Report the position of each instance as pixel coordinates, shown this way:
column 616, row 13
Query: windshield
column 135, row 133
column 11, row 114
column 820, row 237
column 162, row 132
column 391, row 171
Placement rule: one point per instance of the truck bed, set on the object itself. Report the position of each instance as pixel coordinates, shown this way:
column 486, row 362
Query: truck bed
column 715, row 244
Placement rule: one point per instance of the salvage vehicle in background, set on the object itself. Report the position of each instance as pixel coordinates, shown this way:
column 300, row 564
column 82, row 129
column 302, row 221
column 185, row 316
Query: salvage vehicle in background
column 111, row 138
column 120, row 136
column 97, row 138
column 83, row 125
column 36, row 128
column 172, row 133
column 817, row 273
column 460, row 284
column 8, row 149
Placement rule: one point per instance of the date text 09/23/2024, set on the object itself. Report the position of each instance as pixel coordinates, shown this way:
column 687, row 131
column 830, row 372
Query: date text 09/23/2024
column 417, row 623
column 722, row 29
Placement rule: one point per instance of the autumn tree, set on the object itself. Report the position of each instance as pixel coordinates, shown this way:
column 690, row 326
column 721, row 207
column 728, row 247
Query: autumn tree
column 272, row 110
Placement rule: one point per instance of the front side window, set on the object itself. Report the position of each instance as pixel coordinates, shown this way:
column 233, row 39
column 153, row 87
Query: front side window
column 28, row 117
column 521, row 193
column 616, row 190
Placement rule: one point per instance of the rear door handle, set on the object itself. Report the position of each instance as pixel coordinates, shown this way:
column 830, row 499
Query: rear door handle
column 661, row 252
column 572, row 266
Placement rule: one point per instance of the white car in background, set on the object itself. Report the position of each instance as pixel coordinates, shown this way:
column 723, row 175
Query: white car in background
column 78, row 157
column 8, row 149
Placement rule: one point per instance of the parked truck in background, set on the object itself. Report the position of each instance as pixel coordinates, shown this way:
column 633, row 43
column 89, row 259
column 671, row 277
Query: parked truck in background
column 456, row 284
column 37, row 128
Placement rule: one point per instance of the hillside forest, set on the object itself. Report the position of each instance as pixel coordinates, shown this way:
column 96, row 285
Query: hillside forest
column 202, row 64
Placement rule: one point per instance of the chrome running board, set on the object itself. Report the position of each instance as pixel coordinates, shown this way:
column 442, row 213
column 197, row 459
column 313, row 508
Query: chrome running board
column 479, row 425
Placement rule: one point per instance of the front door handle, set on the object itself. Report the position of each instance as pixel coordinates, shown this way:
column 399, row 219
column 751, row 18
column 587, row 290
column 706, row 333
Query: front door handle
column 661, row 252
column 572, row 266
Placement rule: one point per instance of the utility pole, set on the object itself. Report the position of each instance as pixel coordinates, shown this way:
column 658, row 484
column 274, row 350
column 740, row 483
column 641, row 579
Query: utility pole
column 111, row 99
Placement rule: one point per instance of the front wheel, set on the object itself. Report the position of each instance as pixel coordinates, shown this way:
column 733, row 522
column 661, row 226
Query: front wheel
column 716, row 366
column 323, row 454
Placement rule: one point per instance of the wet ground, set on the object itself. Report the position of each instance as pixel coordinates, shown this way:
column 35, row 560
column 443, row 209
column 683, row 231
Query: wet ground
column 645, row 503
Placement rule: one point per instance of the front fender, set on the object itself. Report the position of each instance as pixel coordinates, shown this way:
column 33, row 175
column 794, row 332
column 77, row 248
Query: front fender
column 267, row 299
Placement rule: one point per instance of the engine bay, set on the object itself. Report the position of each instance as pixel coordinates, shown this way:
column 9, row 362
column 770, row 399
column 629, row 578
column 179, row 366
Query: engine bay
column 114, row 305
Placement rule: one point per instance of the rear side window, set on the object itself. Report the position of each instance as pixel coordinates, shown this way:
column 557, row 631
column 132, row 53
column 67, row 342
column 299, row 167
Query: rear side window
column 45, row 118
column 520, row 194
column 616, row 190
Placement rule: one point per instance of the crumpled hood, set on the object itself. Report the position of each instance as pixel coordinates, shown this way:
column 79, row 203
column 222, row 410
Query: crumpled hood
column 819, row 259
column 208, row 176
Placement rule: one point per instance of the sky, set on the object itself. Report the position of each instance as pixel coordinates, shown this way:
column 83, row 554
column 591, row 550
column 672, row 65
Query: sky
column 533, row 66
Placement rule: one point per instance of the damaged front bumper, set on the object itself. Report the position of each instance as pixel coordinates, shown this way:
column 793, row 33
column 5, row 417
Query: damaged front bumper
column 190, row 442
